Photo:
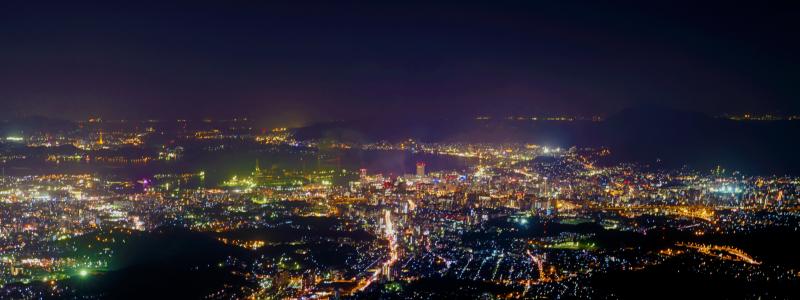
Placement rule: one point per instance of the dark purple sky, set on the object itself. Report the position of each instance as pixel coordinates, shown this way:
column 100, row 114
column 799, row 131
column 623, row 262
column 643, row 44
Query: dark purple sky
column 297, row 63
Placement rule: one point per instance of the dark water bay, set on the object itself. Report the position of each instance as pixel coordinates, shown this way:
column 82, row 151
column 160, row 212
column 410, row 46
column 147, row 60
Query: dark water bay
column 222, row 165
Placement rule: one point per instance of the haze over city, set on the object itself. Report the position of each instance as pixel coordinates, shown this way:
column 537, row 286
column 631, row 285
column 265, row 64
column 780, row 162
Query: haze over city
column 399, row 150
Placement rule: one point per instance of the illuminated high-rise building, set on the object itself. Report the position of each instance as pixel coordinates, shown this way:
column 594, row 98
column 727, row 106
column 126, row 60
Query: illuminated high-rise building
column 257, row 172
column 420, row 169
column 386, row 270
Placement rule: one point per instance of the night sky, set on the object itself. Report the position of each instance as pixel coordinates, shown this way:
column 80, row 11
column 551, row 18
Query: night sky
column 294, row 64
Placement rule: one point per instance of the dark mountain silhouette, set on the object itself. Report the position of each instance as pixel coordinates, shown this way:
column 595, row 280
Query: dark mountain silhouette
column 658, row 136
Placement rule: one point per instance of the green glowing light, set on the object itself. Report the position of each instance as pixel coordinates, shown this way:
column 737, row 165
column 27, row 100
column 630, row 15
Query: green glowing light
column 393, row 287
column 83, row 272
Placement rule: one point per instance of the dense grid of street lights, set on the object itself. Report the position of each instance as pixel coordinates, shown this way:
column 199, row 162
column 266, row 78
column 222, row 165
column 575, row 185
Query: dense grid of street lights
column 386, row 232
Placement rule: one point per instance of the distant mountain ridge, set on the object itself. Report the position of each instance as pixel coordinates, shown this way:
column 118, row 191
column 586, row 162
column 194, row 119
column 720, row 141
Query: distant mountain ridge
column 671, row 137
column 661, row 137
